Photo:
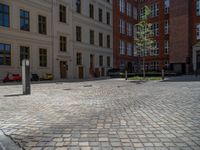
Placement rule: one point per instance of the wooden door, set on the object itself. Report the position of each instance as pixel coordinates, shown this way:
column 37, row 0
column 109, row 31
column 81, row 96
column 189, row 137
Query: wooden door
column 198, row 61
column 63, row 69
column 80, row 72
column 102, row 72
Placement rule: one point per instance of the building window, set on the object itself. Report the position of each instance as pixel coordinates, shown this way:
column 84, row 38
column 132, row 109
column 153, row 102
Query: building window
column 166, row 48
column 24, row 53
column 154, row 10
column 198, row 32
column 166, row 26
column 141, row 13
column 91, row 36
column 78, row 58
column 108, row 18
column 78, row 34
column 43, row 57
column 122, row 6
column 100, row 15
column 122, row 26
column 91, row 11
column 167, row 5
column 166, row 64
column 42, row 23
column 154, row 51
column 129, row 29
column 129, row 49
column 108, row 41
column 122, row 47
column 62, row 14
column 4, row 15
column 155, row 29
column 129, row 9
column 154, row 66
column 63, row 44
column 24, row 20
column 100, row 61
column 5, row 54
column 78, row 6
column 108, row 61
column 100, row 39
column 135, row 12
column 198, row 7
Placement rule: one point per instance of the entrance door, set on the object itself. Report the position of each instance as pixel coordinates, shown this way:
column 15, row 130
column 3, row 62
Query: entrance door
column 102, row 72
column 63, row 69
column 198, row 60
column 80, row 72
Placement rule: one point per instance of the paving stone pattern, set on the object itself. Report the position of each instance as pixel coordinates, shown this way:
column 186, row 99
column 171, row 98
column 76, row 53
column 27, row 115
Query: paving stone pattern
column 103, row 115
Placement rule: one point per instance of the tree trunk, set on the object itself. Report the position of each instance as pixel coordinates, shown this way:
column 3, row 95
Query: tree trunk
column 144, row 67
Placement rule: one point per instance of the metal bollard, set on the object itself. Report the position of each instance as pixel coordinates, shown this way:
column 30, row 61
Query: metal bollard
column 26, row 77
column 163, row 74
column 126, row 75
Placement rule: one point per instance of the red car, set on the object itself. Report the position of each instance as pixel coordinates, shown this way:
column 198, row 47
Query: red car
column 12, row 77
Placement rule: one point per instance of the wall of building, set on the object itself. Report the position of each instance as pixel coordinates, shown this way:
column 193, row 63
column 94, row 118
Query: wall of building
column 179, row 35
column 123, row 59
column 62, row 29
column 16, row 37
column 84, row 47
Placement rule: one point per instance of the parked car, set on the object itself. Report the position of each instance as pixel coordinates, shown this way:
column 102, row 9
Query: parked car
column 47, row 76
column 115, row 73
column 34, row 77
column 12, row 77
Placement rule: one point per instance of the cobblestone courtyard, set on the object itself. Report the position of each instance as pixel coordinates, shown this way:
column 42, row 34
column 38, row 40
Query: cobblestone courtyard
column 107, row 114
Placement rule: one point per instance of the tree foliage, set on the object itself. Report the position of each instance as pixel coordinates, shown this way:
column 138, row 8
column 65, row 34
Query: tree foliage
column 144, row 40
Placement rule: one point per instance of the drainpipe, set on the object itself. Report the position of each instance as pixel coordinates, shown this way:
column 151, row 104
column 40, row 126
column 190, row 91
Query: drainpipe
column 52, row 35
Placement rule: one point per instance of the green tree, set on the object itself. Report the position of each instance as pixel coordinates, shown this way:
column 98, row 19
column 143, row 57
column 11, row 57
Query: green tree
column 144, row 40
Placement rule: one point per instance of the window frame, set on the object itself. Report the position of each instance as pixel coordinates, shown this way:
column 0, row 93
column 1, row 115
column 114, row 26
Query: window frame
column 5, row 14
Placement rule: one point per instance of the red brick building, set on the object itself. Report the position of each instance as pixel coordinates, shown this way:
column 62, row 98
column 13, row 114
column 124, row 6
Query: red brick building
column 124, row 19
column 176, row 28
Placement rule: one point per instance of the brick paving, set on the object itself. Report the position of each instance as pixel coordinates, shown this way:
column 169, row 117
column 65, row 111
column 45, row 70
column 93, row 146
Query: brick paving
column 108, row 115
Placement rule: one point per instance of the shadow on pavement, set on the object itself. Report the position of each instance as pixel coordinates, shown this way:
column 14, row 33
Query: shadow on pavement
column 14, row 95
column 138, row 82
column 185, row 78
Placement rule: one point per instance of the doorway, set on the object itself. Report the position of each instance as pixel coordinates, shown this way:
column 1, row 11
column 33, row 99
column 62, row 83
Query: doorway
column 102, row 72
column 63, row 69
column 80, row 72
column 198, row 61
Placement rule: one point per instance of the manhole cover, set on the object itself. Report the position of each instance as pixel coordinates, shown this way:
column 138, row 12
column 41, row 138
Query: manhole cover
column 67, row 89
column 87, row 86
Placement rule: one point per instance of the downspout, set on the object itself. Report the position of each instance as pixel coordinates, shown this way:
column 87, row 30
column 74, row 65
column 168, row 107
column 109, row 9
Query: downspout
column 72, row 36
column 52, row 36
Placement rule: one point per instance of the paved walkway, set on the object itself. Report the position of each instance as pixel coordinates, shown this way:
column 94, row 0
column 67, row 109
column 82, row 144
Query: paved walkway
column 107, row 114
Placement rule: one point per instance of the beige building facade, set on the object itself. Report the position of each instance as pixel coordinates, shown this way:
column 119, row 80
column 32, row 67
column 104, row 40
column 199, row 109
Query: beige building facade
column 20, row 37
column 92, row 27
column 45, row 32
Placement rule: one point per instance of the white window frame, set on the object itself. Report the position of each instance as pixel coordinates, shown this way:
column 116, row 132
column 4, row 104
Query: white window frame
column 166, row 47
column 122, row 47
column 198, row 32
column 166, row 26
column 167, row 5
column 129, row 49
column 197, row 7
column 122, row 6
column 122, row 26
column 154, row 10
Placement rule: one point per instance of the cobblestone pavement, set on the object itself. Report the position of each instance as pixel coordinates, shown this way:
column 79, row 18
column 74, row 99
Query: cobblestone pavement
column 109, row 114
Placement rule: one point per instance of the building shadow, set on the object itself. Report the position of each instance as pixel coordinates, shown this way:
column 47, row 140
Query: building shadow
column 14, row 95
column 184, row 78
